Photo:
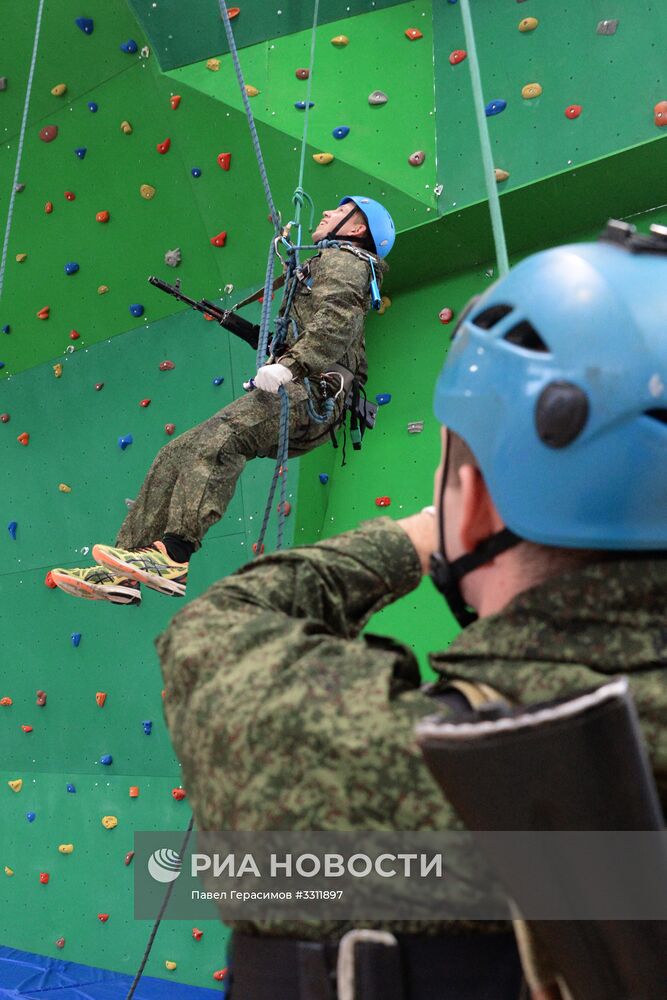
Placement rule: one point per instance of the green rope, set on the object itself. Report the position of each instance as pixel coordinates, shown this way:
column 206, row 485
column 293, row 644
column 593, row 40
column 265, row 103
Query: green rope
column 485, row 143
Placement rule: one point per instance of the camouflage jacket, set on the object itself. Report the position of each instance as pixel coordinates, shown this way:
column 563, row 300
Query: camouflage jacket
column 330, row 307
column 285, row 717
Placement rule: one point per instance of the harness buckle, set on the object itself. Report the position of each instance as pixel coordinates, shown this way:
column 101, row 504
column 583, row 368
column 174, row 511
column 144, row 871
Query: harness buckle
column 351, row 986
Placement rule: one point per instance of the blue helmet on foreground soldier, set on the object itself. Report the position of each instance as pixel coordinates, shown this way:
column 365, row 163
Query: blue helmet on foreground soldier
column 286, row 716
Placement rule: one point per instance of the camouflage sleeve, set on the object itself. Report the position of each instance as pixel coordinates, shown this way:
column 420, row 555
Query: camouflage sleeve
column 281, row 715
column 339, row 305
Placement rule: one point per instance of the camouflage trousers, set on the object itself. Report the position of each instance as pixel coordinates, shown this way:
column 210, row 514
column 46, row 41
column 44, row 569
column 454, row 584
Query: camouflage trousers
column 193, row 478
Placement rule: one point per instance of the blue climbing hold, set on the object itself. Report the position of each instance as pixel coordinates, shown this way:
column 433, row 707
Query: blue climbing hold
column 148, row 725
column 125, row 442
column 382, row 398
column 341, row 131
column 301, row 105
column 137, row 309
column 106, row 759
column 76, row 639
column 218, row 380
column 2, row 364
column 6, row 328
column 31, row 817
column 324, row 478
column 196, row 171
column 71, row 788
column 81, row 152
column 86, row 24
column 130, row 46
column 494, row 108
column 72, row 267
column 11, row 528
column 93, row 106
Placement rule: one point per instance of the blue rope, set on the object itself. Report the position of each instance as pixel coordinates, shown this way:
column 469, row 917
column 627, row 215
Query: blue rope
column 281, row 463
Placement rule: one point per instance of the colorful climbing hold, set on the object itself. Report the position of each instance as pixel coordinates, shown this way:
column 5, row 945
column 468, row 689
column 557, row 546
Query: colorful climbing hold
column 134, row 791
column 416, row 159
column 60, row 943
column 218, row 380
column 457, row 56
column 76, row 639
column 99, row 386
column 413, row 34
column 44, row 313
column 109, row 822
column 213, row 65
column 103, row 917
column 163, row 147
column 251, row 91
column 130, row 46
column 126, row 128
column 197, row 934
column 9, row 871
column 59, row 90
column 128, row 857
column 16, row 785
column 102, row 289
column 93, row 107
column 660, row 114
column 6, row 701
column 137, row 309
column 385, row 303
column 500, row 174
column 26, row 729
column 147, row 726
column 175, row 100
column 324, row 478
column 382, row 501
column 86, row 24
column 48, row 208
column 528, row 24
column 233, row 12
column 377, row 98
column 66, row 848
column 100, row 698
column 170, row 965
column 70, row 196
column 495, row 108
column 178, row 793
column 301, row 105
column 71, row 789
column 530, row 91
column 284, row 508
column 302, row 74
column 220, row 974
column 20, row 257
column 573, row 111
column 224, row 160
column 81, row 151
column 341, row 131
column 5, row 418
column 72, row 267
column 196, row 171
column 340, row 41
column 323, row 158
column 608, row 27
column 169, row 429
column 48, row 133
column 125, row 441
column 145, row 403
column 102, row 216
column 415, row 427
column 147, row 191
column 44, row 877
column 11, row 528
column 219, row 240
column 173, row 257
column 166, row 366
column 41, row 699
column 24, row 439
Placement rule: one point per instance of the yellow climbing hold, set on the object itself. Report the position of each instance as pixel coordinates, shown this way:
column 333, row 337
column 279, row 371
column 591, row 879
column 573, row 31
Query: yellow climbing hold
column 20, row 257
column 103, row 289
column 126, row 128
column 501, row 175
column 64, row 488
column 385, row 302
column 109, row 822
column 323, row 158
column 213, row 65
column 251, row 91
column 16, row 785
column 147, row 191
column 531, row 90
column 528, row 24
column 340, row 41
column 59, row 90
column 66, row 848
column 58, row 370
column 170, row 965
column 8, row 870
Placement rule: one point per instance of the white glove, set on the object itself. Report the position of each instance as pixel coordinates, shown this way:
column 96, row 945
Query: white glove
column 271, row 377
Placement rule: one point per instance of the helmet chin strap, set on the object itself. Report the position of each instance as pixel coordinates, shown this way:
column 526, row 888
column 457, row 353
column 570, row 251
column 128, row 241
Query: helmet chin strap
column 447, row 575
column 341, row 223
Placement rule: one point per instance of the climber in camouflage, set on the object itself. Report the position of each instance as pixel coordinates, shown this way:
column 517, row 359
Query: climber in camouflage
column 286, row 717
column 193, row 477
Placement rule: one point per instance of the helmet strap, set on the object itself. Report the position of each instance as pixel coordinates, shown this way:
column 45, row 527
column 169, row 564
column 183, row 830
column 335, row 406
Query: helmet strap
column 339, row 226
column 447, row 575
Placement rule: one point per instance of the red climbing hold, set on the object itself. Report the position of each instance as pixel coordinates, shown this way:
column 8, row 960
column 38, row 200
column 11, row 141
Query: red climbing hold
column 60, row 943
column 169, row 429
column 145, row 403
column 660, row 113
column 457, row 56
column 220, row 974
column 102, row 216
column 48, row 133
column 163, row 147
column 128, row 857
column 26, row 729
column 5, row 418
column 73, row 335
column 23, row 438
column 224, row 160
column 382, row 501
column 41, row 698
column 219, row 240
column 103, row 917
column 413, row 34
column 302, row 74
column 197, row 934
column 48, row 581
column 445, row 315
column 100, row 698
column 70, row 196
column 287, row 508
column 98, row 386
column 167, row 366
column 178, row 793
column 44, row 313
column 48, row 208
column 573, row 111
column 233, row 12
column 254, row 549
column 44, row 877
column 134, row 791
column 6, row 701
column 175, row 101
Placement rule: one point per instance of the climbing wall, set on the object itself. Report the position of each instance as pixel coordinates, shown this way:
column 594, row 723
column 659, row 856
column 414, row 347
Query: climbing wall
column 132, row 171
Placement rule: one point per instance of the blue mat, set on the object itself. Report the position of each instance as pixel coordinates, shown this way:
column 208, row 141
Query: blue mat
column 35, row 977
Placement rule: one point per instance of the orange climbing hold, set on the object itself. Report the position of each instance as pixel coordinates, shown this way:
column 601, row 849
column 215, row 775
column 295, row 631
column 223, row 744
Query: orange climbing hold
column 102, row 216
column 528, row 24
column 100, row 698
column 103, row 917
column 233, row 12
column 23, row 439
column 134, row 791
column 6, row 701
column 660, row 113
column 413, row 34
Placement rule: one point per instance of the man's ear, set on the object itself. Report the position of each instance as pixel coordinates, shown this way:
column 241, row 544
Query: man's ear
column 479, row 516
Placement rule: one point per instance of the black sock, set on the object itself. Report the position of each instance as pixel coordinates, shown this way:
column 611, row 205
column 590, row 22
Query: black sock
column 179, row 549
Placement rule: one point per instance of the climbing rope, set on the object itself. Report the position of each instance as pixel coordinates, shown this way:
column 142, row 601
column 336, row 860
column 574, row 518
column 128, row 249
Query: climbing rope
column 485, row 144
column 24, row 122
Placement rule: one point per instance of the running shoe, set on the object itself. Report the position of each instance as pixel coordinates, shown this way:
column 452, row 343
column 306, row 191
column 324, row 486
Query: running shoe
column 151, row 565
column 97, row 583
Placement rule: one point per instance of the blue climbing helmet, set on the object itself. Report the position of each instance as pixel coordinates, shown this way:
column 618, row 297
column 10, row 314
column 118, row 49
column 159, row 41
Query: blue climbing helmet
column 557, row 381
column 380, row 223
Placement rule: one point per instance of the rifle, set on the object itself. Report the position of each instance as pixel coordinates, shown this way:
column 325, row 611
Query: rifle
column 227, row 318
